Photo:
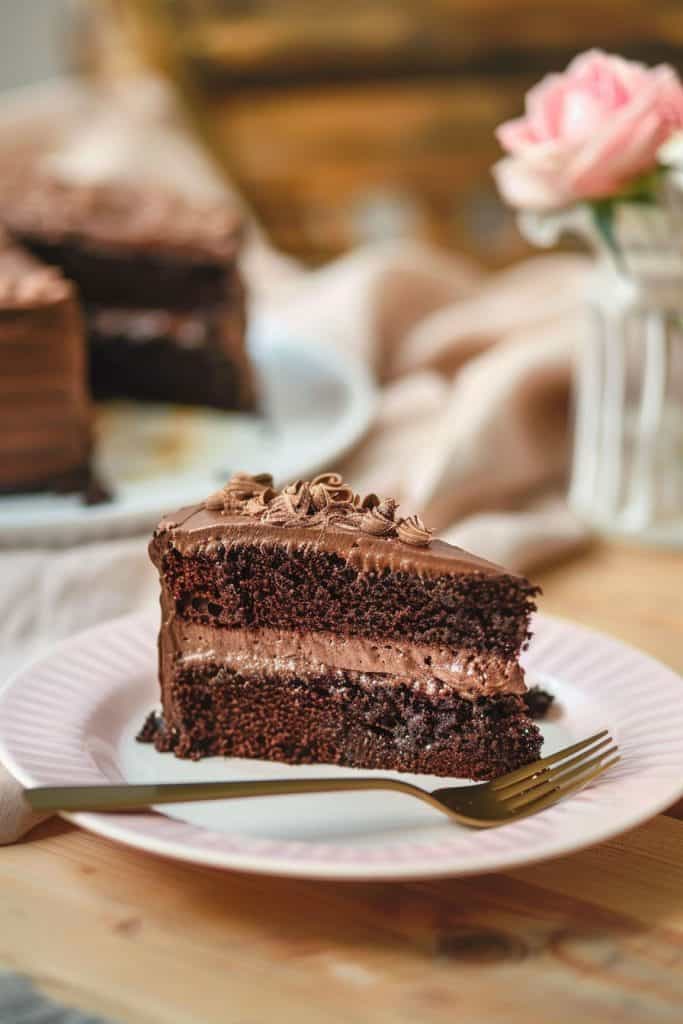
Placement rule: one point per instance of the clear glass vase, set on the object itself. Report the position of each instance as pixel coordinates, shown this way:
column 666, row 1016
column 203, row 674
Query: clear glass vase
column 627, row 465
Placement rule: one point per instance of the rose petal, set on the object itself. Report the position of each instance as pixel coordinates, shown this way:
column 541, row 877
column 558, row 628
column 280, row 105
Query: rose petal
column 582, row 115
column 523, row 186
column 516, row 135
column 544, row 106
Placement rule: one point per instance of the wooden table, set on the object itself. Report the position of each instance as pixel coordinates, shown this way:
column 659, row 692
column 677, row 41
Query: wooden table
column 595, row 937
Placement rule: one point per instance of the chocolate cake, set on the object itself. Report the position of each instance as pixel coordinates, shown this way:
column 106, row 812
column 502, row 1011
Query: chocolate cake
column 45, row 421
column 157, row 276
column 310, row 625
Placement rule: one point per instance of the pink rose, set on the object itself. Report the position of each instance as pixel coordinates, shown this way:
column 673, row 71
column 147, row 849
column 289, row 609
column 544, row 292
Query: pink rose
column 588, row 131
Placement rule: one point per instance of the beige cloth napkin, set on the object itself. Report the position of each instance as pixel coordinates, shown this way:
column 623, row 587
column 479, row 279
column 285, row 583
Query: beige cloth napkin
column 472, row 422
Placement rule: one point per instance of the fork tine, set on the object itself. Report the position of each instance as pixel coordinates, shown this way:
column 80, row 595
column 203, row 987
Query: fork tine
column 561, row 792
column 545, row 774
column 531, row 769
column 555, row 779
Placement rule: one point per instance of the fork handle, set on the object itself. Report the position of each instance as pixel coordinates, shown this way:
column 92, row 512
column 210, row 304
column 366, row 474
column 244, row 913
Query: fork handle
column 128, row 797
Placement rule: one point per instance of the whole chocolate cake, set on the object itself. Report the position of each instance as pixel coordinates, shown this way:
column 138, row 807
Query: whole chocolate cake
column 310, row 625
column 157, row 277
column 45, row 425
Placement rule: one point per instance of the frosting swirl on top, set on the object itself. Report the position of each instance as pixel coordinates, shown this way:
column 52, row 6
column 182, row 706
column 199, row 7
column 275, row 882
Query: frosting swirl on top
column 324, row 501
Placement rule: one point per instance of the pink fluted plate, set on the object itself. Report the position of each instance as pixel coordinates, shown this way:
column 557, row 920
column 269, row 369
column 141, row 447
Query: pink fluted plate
column 72, row 716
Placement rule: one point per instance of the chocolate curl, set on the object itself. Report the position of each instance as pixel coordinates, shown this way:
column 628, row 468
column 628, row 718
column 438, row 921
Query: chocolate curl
column 378, row 521
column 242, row 486
column 215, row 501
column 413, row 531
column 329, row 488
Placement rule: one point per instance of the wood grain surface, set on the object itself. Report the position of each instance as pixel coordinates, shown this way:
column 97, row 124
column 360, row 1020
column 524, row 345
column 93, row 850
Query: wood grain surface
column 596, row 937
column 345, row 123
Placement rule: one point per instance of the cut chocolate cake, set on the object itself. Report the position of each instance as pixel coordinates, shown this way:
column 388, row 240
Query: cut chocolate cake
column 158, row 279
column 310, row 626
column 45, row 426
column 195, row 358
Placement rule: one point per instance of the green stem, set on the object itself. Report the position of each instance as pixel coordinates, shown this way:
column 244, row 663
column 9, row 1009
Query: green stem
column 602, row 211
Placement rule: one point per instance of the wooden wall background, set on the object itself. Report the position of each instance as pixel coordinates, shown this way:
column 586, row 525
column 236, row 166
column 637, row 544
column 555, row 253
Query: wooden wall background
column 343, row 120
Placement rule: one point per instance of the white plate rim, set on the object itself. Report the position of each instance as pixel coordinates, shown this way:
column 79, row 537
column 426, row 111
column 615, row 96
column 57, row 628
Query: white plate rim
column 258, row 856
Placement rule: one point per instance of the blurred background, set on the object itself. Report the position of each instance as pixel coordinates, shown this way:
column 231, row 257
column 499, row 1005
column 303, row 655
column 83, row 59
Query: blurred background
column 345, row 123
column 341, row 128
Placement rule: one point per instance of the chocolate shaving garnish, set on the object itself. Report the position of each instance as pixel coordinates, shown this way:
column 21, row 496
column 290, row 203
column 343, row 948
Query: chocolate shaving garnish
column 289, row 509
column 347, row 521
column 413, row 531
column 257, row 505
column 332, row 480
column 369, row 501
column 300, row 493
column 344, row 496
column 318, row 496
column 387, row 507
column 329, row 488
column 376, row 523
column 281, row 510
column 325, row 501
column 215, row 501
column 281, row 517
column 295, row 487
column 242, row 486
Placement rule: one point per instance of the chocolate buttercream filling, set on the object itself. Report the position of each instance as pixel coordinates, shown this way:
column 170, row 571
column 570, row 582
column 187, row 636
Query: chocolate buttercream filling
column 469, row 673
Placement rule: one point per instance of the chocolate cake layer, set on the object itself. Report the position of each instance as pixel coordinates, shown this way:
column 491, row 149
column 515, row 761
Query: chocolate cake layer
column 346, row 719
column 45, row 424
column 195, row 357
column 328, row 580
column 123, row 246
column 313, row 625
column 118, row 277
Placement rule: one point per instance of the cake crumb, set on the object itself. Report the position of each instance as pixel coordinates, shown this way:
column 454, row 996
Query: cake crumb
column 538, row 702
column 95, row 493
column 149, row 728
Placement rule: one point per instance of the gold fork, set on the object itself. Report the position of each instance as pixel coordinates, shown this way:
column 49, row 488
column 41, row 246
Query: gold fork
column 516, row 795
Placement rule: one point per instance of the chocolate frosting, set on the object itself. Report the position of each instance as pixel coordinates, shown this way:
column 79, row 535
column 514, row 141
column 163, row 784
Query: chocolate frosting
column 116, row 215
column 323, row 514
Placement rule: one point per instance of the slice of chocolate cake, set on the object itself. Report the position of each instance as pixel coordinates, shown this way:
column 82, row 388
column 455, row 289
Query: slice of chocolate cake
column 312, row 626
column 158, row 278
column 45, row 425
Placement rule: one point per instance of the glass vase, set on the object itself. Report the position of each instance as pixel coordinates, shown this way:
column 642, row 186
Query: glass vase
column 627, row 463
